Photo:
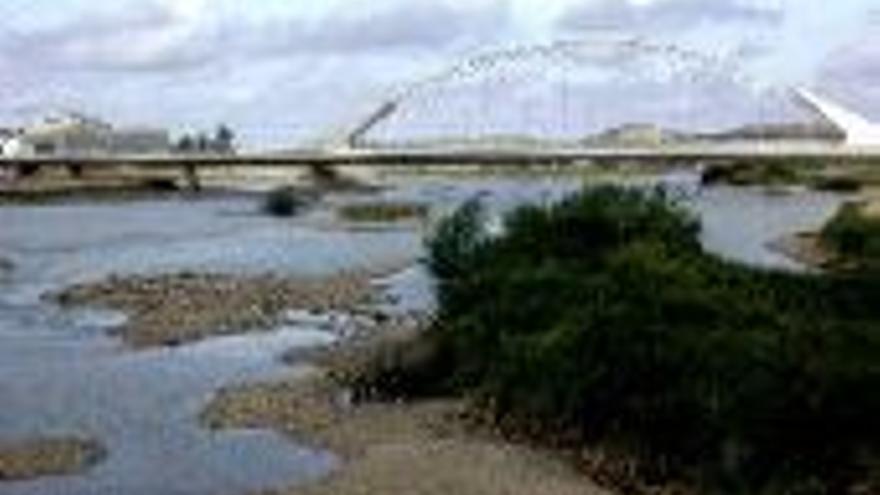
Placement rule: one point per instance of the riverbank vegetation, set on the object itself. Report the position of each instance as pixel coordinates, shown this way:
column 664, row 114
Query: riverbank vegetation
column 284, row 202
column 395, row 211
column 850, row 178
column 854, row 236
column 750, row 173
column 600, row 322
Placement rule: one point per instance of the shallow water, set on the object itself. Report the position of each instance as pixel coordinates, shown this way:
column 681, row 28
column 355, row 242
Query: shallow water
column 737, row 223
column 60, row 374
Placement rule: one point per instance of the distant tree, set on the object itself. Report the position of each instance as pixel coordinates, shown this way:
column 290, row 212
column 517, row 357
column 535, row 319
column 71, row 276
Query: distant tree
column 203, row 143
column 224, row 140
column 186, row 144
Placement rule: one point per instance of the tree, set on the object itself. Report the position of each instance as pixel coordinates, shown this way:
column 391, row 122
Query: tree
column 224, row 140
column 203, row 143
column 186, row 144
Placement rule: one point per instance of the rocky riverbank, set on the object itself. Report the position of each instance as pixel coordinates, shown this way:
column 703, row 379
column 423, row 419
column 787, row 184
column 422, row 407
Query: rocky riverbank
column 47, row 457
column 172, row 310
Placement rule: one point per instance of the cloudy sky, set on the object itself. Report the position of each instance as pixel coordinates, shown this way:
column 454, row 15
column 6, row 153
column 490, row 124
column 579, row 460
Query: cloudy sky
column 288, row 71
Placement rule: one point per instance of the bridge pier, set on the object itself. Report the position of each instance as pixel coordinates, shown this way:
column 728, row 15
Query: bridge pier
column 76, row 171
column 25, row 170
column 191, row 178
column 324, row 174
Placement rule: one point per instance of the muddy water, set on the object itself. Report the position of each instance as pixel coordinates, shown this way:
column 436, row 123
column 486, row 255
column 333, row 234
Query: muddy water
column 60, row 374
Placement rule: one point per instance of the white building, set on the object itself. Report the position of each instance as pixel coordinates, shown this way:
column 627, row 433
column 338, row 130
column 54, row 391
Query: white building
column 78, row 136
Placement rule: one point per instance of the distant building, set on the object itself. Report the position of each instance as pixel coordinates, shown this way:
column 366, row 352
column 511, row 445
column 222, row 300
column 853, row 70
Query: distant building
column 78, row 136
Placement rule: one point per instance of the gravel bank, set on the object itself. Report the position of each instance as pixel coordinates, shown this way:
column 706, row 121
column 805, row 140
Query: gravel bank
column 177, row 309
column 47, row 457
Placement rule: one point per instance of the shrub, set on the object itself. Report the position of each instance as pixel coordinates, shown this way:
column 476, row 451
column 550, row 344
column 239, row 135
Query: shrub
column 398, row 364
column 757, row 172
column 840, row 183
column 283, row 202
column 601, row 315
column 854, row 236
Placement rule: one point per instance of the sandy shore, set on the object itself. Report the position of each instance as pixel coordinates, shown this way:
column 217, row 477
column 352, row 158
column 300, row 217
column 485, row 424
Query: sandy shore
column 47, row 457
column 805, row 248
column 172, row 310
column 421, row 448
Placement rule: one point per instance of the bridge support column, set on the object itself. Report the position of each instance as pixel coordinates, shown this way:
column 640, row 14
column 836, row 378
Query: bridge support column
column 75, row 171
column 25, row 171
column 191, row 176
column 324, row 175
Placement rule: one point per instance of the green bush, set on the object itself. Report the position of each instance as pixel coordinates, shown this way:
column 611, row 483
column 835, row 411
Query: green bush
column 283, row 202
column 854, row 236
column 840, row 183
column 601, row 315
column 757, row 172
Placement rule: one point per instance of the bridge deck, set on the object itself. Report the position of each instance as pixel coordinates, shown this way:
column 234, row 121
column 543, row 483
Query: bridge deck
column 366, row 157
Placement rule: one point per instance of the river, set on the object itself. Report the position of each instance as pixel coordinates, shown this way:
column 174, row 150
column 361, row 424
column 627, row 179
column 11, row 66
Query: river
column 62, row 374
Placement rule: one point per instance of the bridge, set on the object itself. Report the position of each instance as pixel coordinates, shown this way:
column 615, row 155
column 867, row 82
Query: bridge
column 557, row 65
column 679, row 154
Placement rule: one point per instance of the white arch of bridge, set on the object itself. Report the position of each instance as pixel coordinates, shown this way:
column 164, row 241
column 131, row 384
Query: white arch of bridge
column 621, row 53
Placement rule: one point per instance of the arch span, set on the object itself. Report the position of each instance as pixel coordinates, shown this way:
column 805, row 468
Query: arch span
column 676, row 61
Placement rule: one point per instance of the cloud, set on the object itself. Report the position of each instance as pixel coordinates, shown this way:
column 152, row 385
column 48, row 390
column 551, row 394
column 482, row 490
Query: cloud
column 172, row 35
column 430, row 25
column 152, row 35
column 851, row 72
column 284, row 67
column 665, row 15
column 858, row 62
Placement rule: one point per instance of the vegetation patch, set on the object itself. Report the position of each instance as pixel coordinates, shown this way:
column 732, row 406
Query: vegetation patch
column 383, row 212
column 285, row 202
column 838, row 183
column 600, row 322
column 854, row 235
column 44, row 457
column 756, row 172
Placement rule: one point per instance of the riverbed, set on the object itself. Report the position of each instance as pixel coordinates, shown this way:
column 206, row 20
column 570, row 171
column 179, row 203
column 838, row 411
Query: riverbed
column 63, row 374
